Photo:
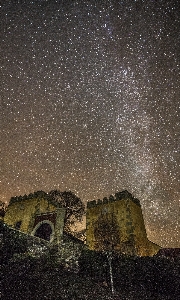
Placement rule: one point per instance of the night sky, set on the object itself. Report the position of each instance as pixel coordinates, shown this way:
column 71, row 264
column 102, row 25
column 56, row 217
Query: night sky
column 90, row 96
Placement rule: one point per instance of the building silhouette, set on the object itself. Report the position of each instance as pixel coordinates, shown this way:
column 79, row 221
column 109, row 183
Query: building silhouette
column 112, row 224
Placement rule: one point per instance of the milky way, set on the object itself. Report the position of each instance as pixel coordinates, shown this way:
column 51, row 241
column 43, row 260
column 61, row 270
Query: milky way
column 90, row 103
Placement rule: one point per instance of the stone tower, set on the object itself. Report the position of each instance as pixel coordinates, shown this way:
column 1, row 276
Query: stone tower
column 118, row 224
column 36, row 215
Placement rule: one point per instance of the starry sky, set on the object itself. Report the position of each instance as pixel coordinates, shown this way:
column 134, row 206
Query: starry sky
column 90, row 103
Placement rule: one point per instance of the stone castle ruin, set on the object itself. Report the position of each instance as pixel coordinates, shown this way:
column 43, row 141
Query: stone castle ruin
column 114, row 224
column 117, row 224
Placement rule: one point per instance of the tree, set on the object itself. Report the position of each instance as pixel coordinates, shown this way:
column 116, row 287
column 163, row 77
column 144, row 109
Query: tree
column 75, row 208
column 107, row 236
column 106, row 232
column 3, row 209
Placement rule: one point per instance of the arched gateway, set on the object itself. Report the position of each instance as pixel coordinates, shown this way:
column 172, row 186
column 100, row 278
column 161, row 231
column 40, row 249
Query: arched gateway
column 44, row 230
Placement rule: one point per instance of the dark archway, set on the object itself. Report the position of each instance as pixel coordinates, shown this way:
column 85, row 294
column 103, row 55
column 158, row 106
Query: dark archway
column 44, row 231
column 18, row 225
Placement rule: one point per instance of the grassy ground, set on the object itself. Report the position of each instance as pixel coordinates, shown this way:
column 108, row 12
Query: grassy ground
column 27, row 278
column 30, row 278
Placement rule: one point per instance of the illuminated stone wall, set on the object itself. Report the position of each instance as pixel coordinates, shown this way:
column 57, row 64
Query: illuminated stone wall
column 117, row 223
column 112, row 224
column 26, row 213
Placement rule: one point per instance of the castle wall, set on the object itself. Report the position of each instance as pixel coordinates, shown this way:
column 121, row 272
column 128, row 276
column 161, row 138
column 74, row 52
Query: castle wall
column 112, row 224
column 34, row 212
column 106, row 211
column 121, row 226
column 31, row 213
column 25, row 211
column 143, row 246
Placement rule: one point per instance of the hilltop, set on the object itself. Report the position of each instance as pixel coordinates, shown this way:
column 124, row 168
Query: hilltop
column 44, row 277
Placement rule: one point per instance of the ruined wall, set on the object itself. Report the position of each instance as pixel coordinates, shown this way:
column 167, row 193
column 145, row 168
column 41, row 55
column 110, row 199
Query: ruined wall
column 24, row 211
column 112, row 224
column 117, row 223
column 30, row 213
column 34, row 211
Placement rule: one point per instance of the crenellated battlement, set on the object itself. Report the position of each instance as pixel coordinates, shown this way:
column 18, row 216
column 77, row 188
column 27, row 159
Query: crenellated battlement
column 115, row 222
column 38, row 194
column 118, row 196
